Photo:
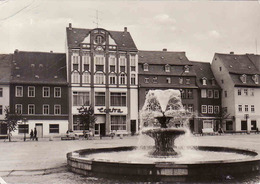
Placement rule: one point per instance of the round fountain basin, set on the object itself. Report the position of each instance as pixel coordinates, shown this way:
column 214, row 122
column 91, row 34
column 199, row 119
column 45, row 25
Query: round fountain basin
column 124, row 161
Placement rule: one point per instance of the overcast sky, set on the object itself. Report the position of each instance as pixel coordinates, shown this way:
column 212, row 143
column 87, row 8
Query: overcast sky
column 199, row 28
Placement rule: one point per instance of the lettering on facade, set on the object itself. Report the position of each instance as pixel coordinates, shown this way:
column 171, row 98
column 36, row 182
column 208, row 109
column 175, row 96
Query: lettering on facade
column 113, row 110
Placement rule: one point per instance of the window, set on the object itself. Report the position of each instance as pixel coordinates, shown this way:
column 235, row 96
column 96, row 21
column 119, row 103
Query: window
column 180, row 80
column 190, row 107
column 57, row 92
column 220, row 69
column 186, row 69
column 99, row 39
column 57, row 109
column 146, row 67
column 132, row 79
column 19, row 91
column 252, row 108
column 75, row 77
column 100, row 98
column 1, row 92
column 132, row 63
column 86, row 78
column 75, row 62
column 23, row 128
column 112, row 64
column 216, row 109
column 203, row 93
column 118, row 99
column 243, row 78
column 80, row 98
column 246, row 92
column 19, row 108
column 1, row 109
column 46, row 92
column 190, row 93
column 225, row 93
column 118, row 123
column 253, row 125
column 99, row 62
column 168, row 80
column 122, row 63
column 187, row 81
column 45, row 109
column 210, row 109
column 122, row 78
column 216, row 94
column 183, row 96
column 204, row 109
column 229, row 125
column 239, row 92
column 207, row 124
column 54, row 128
column 146, row 80
column 112, row 78
column 213, row 82
column 85, row 62
column 31, row 109
column 99, row 78
column 167, row 68
column 240, row 108
column 252, row 92
column 246, row 108
column 204, row 81
column 155, row 79
column 210, row 94
column 31, row 91
column 255, row 79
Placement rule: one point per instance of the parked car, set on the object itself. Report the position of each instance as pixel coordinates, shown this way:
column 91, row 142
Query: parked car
column 70, row 135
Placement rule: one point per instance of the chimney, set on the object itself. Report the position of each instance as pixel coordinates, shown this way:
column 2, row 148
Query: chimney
column 70, row 26
column 125, row 29
column 16, row 51
column 165, row 50
column 232, row 52
column 51, row 51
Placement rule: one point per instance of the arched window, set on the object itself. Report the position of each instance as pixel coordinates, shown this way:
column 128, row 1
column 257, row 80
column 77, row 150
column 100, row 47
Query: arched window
column 146, row 67
column 75, row 77
column 86, row 77
column 99, row 78
column 112, row 78
column 132, row 79
column 204, row 81
column 99, row 39
column 167, row 68
column 122, row 78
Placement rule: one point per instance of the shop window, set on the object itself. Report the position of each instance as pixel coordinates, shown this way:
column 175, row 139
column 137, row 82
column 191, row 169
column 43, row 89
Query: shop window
column 23, row 128
column 118, row 99
column 118, row 123
column 207, row 124
column 80, row 98
column 100, row 98
column 229, row 125
column 54, row 128
column 243, row 125
column 253, row 124
column 1, row 109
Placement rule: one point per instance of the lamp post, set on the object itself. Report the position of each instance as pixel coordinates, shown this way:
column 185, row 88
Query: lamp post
column 246, row 117
column 24, row 121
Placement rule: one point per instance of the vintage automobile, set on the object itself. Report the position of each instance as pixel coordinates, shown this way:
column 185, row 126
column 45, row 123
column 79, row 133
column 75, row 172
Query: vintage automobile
column 70, row 135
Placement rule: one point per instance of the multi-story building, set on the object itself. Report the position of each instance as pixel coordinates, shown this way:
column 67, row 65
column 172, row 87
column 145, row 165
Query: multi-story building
column 102, row 72
column 168, row 70
column 238, row 76
column 209, row 97
column 39, row 92
column 5, row 72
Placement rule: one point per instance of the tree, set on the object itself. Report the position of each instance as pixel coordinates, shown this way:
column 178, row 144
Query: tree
column 87, row 116
column 11, row 121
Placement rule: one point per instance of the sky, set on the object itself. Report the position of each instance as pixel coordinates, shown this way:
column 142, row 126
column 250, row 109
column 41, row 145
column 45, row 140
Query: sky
column 200, row 28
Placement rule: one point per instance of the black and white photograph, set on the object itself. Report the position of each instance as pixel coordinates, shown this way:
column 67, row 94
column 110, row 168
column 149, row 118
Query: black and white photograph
column 129, row 91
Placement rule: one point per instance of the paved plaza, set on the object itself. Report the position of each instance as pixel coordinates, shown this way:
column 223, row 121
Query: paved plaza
column 45, row 161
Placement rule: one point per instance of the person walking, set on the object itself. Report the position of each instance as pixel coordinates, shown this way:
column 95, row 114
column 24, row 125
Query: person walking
column 35, row 134
column 31, row 134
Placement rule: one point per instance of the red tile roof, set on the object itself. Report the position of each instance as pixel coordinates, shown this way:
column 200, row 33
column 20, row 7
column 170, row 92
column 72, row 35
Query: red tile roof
column 123, row 39
column 39, row 67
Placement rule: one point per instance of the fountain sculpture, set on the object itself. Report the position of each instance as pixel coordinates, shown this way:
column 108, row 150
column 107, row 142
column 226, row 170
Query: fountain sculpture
column 164, row 119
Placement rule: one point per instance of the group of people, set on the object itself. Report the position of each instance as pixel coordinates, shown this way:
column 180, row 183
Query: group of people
column 33, row 134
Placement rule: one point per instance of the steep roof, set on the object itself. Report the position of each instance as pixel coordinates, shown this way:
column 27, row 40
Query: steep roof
column 39, row 67
column 163, row 57
column 203, row 70
column 5, row 68
column 238, row 64
column 123, row 39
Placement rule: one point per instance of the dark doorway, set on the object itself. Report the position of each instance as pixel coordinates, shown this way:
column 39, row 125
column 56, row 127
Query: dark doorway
column 192, row 125
column 103, row 129
column 253, row 125
column 3, row 128
column 229, row 125
column 133, row 126
column 243, row 125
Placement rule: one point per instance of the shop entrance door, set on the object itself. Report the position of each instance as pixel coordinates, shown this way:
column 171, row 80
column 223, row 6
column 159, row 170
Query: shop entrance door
column 100, row 129
column 97, row 129
column 39, row 128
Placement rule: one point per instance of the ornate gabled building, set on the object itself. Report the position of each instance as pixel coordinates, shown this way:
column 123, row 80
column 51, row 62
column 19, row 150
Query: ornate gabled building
column 5, row 74
column 169, row 70
column 39, row 92
column 209, row 97
column 102, row 72
column 238, row 76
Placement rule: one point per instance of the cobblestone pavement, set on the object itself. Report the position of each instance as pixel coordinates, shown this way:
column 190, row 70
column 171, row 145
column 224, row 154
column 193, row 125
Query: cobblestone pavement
column 45, row 161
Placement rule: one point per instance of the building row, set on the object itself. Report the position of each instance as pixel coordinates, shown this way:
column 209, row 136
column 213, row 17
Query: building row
column 105, row 69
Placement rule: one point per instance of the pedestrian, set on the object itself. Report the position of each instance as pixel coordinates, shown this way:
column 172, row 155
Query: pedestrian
column 35, row 134
column 84, row 134
column 31, row 134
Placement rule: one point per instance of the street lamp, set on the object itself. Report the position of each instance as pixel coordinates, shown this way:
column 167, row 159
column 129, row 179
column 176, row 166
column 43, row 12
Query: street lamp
column 24, row 121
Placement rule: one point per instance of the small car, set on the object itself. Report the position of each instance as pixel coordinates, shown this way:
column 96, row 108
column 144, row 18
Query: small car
column 70, row 135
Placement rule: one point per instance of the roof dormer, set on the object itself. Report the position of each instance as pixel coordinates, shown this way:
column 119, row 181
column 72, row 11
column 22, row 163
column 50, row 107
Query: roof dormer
column 167, row 68
column 186, row 69
column 213, row 82
column 243, row 78
column 146, row 67
column 204, row 81
column 255, row 79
